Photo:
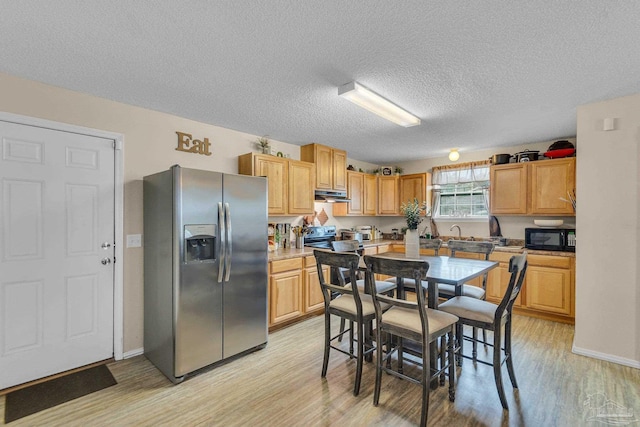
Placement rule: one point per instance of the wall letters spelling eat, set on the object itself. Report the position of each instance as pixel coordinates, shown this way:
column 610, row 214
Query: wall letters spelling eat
column 190, row 145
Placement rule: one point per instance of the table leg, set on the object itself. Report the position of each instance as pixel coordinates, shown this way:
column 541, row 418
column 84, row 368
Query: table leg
column 432, row 302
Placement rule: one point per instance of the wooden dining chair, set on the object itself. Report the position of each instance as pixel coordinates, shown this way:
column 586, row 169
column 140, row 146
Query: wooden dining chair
column 488, row 316
column 457, row 247
column 412, row 321
column 447, row 291
column 433, row 244
column 349, row 304
column 381, row 286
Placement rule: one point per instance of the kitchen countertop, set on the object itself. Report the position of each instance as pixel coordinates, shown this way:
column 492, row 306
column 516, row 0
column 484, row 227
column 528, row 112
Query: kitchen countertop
column 307, row 251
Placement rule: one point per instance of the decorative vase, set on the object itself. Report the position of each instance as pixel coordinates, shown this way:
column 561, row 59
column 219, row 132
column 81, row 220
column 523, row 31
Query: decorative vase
column 412, row 244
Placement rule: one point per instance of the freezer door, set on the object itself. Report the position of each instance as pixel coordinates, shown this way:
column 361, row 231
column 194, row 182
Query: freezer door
column 245, row 287
column 197, row 293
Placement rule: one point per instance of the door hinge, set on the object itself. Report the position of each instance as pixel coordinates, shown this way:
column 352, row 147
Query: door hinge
column 117, row 144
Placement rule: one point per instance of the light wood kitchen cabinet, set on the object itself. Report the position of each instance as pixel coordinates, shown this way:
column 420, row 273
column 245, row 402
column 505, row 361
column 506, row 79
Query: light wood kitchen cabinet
column 370, row 204
column 388, row 195
column 331, row 165
column 498, row 279
column 301, row 187
column 276, row 169
column 533, row 188
column 362, row 191
column 355, row 193
column 549, row 181
column 415, row 186
column 313, row 299
column 548, row 289
column 290, row 183
column 285, row 290
column 339, row 158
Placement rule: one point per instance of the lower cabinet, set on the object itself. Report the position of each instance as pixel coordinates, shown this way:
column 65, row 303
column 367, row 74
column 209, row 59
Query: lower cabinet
column 313, row 298
column 548, row 290
column 285, row 290
column 294, row 289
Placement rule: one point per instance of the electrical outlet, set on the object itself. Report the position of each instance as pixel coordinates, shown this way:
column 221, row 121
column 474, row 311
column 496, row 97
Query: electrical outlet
column 134, row 240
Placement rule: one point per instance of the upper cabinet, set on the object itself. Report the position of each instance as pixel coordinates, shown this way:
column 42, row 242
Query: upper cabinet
column 382, row 195
column 388, row 195
column 415, row 186
column 362, row 191
column 533, row 188
column 331, row 165
column 290, row 183
column 301, row 187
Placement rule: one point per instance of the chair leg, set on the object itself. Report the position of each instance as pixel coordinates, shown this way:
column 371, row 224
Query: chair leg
column 400, row 354
column 460, row 340
column 368, row 338
column 474, row 352
column 497, row 366
column 327, row 342
column 342, row 322
column 443, row 352
column 351, row 337
column 426, row 382
column 484, row 337
column 452, row 366
column 376, row 390
column 359, row 360
column 508, row 354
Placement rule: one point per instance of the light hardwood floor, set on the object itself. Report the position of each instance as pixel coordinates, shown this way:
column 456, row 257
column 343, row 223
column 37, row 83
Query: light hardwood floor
column 281, row 386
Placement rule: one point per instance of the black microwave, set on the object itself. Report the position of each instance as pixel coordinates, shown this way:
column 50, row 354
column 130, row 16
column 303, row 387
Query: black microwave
column 550, row 239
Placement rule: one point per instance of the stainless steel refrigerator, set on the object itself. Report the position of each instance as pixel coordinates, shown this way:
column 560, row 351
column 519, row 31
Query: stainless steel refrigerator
column 205, row 268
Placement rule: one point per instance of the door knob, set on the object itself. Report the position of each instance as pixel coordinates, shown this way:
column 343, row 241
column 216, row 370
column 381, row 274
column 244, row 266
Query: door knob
column 106, row 245
column 105, row 261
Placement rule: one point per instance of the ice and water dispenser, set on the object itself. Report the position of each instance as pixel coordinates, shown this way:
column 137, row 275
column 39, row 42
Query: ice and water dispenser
column 199, row 243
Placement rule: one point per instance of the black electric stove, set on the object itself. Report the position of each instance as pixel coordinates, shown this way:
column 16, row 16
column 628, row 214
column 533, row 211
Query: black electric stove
column 320, row 237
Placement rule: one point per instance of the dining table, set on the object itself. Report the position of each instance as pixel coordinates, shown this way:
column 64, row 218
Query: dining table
column 448, row 270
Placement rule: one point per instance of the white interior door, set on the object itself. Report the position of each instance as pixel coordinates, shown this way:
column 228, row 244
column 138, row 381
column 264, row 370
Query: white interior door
column 56, row 251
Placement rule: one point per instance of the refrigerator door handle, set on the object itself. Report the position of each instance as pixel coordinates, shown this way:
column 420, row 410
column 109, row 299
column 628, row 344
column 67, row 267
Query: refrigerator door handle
column 227, row 216
column 223, row 242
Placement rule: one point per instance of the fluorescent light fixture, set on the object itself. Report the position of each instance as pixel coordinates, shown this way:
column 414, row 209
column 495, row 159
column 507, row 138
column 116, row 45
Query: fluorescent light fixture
column 373, row 102
column 454, row 155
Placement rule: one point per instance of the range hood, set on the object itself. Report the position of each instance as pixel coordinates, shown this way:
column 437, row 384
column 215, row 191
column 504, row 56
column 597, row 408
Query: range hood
column 331, row 196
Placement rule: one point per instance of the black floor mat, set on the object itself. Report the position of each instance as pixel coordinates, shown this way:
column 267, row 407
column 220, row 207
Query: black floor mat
column 38, row 397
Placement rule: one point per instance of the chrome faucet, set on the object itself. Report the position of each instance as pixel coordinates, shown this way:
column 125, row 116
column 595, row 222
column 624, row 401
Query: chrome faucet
column 459, row 231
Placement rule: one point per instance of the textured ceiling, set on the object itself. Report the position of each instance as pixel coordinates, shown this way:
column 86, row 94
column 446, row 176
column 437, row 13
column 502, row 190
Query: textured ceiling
column 479, row 74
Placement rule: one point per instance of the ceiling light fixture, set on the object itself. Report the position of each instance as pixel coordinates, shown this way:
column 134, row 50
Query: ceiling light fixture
column 454, row 155
column 375, row 103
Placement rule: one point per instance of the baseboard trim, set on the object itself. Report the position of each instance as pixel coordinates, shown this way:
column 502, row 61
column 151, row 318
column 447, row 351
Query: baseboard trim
column 606, row 357
column 133, row 353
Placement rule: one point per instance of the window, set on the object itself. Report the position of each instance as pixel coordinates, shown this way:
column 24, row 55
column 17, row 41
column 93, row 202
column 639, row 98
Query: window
column 461, row 191
column 463, row 200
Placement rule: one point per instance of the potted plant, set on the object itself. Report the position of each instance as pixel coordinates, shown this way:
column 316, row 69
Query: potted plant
column 411, row 211
column 376, row 171
column 263, row 143
column 398, row 170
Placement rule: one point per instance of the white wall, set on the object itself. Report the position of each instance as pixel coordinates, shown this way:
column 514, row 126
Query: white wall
column 608, row 194
column 149, row 146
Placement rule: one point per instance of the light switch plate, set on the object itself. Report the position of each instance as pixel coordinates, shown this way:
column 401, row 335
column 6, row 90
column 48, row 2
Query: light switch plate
column 134, row 240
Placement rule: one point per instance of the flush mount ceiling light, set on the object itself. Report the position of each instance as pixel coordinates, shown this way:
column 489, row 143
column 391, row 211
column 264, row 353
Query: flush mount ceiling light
column 373, row 102
column 454, row 155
